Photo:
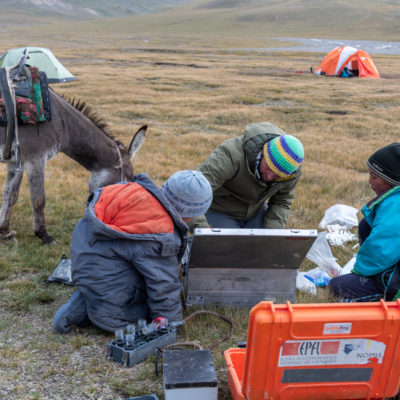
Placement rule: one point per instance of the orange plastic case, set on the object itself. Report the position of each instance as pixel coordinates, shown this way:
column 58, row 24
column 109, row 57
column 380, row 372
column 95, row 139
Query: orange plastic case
column 317, row 352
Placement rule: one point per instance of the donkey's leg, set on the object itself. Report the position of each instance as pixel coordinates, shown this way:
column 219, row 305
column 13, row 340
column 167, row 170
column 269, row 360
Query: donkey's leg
column 35, row 172
column 10, row 196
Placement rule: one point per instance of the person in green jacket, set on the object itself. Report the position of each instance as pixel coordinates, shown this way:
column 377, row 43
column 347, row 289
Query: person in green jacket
column 254, row 178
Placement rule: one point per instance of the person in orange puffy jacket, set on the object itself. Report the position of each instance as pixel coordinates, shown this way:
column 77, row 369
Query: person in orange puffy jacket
column 125, row 251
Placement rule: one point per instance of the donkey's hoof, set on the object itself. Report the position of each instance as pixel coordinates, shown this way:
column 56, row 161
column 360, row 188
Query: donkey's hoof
column 8, row 236
column 49, row 240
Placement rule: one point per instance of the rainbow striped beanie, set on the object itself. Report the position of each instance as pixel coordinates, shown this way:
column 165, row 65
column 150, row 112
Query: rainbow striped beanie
column 284, row 154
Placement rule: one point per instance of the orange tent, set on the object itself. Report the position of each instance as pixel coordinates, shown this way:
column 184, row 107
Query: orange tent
column 346, row 61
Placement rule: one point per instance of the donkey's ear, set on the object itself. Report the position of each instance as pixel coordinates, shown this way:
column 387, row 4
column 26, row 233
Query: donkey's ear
column 137, row 141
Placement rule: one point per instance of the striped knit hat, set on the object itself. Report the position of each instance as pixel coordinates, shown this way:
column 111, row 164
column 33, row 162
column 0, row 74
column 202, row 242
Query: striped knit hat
column 385, row 163
column 284, row 154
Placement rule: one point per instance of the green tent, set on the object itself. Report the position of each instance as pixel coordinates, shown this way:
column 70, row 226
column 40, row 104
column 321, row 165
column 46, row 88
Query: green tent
column 39, row 57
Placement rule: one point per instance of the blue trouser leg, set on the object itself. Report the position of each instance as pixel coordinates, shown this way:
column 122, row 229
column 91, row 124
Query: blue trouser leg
column 256, row 222
column 219, row 220
column 74, row 312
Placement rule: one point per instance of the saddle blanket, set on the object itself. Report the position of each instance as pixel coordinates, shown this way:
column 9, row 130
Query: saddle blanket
column 36, row 107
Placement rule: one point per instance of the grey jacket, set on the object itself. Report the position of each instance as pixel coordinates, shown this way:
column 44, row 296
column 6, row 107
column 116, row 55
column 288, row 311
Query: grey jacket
column 125, row 276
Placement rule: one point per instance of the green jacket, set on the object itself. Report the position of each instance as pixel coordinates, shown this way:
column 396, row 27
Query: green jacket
column 237, row 191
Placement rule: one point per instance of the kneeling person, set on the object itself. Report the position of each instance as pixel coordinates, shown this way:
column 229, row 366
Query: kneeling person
column 254, row 178
column 125, row 251
column 376, row 271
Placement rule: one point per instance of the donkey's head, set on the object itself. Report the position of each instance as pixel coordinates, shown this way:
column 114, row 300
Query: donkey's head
column 124, row 169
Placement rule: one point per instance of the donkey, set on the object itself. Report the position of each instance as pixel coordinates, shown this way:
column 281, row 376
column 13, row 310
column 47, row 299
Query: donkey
column 76, row 131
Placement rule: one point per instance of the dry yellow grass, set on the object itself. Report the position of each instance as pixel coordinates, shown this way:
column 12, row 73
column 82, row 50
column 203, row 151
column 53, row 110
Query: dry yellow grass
column 193, row 94
column 193, row 100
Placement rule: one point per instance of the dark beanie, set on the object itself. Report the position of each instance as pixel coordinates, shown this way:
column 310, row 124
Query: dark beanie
column 385, row 163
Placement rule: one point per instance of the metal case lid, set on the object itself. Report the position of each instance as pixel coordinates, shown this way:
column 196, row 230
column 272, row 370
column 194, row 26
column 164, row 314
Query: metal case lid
column 250, row 248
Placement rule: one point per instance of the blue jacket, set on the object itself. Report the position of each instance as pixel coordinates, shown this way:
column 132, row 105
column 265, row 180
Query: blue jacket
column 381, row 249
column 125, row 276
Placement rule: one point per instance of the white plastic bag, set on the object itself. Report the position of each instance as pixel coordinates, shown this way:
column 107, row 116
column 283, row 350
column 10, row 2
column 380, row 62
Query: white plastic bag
column 338, row 235
column 318, row 277
column 320, row 254
column 340, row 214
column 349, row 265
column 305, row 285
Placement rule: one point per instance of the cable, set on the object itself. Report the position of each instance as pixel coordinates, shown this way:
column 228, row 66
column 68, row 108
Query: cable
column 226, row 319
column 177, row 345
column 388, row 282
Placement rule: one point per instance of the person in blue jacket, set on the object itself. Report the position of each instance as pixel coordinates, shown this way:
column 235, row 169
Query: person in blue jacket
column 376, row 272
column 125, row 251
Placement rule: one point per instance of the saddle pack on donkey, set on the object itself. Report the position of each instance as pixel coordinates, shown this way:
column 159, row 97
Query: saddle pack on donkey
column 24, row 99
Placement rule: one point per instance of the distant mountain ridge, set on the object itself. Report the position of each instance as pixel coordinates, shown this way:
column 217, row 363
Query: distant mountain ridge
column 341, row 19
column 81, row 9
column 361, row 19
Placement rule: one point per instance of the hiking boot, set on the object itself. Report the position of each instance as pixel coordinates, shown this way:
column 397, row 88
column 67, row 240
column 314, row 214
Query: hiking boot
column 74, row 312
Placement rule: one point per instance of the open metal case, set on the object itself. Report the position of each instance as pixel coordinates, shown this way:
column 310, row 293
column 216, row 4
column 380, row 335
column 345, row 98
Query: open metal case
column 241, row 267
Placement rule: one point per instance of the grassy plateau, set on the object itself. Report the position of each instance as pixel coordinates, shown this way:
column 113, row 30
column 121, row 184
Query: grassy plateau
column 195, row 85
